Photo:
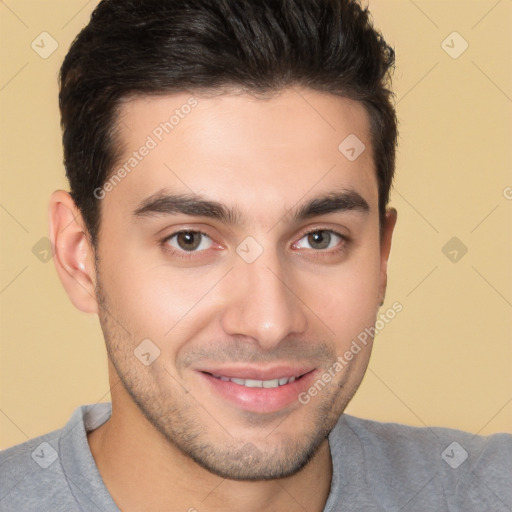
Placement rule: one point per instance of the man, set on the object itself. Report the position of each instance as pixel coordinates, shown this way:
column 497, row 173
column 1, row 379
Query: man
column 230, row 163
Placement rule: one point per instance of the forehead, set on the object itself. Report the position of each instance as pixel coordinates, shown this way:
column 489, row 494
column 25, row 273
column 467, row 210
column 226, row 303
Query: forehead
column 260, row 154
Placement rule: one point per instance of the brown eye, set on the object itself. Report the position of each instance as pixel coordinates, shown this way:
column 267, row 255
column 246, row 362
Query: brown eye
column 189, row 241
column 320, row 240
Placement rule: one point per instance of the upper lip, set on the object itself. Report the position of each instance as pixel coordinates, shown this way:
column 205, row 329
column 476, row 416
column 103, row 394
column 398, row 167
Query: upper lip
column 257, row 373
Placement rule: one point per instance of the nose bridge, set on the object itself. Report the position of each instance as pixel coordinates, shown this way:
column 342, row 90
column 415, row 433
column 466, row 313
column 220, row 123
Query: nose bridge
column 263, row 304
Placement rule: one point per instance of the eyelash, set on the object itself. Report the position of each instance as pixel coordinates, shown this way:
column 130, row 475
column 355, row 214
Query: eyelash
column 188, row 255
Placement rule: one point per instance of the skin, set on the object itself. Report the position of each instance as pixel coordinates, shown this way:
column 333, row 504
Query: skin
column 173, row 442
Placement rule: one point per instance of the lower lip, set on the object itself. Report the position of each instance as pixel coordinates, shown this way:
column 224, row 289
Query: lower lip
column 262, row 400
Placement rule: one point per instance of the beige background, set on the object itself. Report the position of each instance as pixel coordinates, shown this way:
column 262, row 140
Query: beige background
column 446, row 359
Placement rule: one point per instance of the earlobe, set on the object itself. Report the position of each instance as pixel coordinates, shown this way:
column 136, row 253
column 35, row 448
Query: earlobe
column 73, row 254
column 385, row 248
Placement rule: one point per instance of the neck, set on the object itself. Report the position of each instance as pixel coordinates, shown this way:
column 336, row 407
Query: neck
column 143, row 471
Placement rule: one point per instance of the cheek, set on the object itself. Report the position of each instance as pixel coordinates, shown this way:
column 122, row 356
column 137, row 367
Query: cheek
column 155, row 301
column 350, row 302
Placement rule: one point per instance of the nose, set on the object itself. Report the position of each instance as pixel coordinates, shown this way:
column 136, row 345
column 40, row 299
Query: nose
column 264, row 302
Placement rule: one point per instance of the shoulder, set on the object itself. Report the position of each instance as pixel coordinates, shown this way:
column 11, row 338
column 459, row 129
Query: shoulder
column 49, row 471
column 471, row 471
column 36, row 452
column 32, row 476
column 397, row 439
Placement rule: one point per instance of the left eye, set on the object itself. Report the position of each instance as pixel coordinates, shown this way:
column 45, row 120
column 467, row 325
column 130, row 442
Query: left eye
column 320, row 240
column 190, row 241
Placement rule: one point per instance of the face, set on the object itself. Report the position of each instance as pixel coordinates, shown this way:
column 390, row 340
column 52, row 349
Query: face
column 238, row 256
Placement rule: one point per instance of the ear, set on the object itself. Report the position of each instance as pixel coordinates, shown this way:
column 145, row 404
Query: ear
column 385, row 247
column 73, row 254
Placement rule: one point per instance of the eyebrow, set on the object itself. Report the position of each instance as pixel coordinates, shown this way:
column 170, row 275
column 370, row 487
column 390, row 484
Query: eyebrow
column 162, row 204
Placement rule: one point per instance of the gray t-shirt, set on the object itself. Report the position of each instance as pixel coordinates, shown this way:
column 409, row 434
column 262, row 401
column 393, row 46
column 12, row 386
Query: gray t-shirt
column 376, row 467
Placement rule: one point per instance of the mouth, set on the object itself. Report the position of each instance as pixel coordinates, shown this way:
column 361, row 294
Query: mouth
column 258, row 390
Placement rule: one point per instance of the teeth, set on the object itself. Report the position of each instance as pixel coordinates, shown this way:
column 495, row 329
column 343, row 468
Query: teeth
column 253, row 383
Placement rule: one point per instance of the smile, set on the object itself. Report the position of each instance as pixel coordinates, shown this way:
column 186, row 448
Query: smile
column 259, row 390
